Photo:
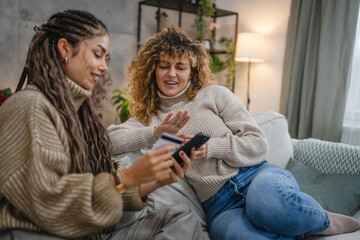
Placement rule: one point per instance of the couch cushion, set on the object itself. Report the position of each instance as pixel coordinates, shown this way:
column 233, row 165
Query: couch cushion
column 328, row 157
column 275, row 127
column 338, row 193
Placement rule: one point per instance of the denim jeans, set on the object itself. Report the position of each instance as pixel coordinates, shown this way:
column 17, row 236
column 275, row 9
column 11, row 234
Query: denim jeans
column 263, row 202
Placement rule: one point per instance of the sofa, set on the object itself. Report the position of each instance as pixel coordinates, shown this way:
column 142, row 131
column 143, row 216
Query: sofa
column 329, row 171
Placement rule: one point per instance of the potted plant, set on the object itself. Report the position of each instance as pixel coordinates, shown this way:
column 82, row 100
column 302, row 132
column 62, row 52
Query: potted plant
column 123, row 104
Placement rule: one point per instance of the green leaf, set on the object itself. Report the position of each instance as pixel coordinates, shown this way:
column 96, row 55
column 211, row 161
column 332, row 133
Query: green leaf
column 6, row 92
column 122, row 103
column 217, row 65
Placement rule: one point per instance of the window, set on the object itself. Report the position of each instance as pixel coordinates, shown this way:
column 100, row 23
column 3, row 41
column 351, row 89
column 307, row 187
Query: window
column 351, row 125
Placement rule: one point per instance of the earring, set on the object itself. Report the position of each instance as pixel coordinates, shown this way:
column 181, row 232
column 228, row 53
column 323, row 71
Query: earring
column 66, row 60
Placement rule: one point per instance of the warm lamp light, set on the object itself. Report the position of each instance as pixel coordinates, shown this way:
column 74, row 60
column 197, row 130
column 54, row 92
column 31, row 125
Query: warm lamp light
column 250, row 49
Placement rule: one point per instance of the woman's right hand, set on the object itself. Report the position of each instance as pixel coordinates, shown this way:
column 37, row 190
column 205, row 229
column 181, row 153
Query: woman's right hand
column 153, row 165
column 171, row 124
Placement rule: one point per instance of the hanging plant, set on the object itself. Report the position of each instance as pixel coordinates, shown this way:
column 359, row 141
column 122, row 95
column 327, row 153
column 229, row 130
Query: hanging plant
column 229, row 45
column 205, row 9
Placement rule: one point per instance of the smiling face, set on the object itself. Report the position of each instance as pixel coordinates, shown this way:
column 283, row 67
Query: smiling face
column 86, row 65
column 172, row 75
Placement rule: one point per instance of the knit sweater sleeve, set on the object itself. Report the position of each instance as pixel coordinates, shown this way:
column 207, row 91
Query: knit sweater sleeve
column 130, row 136
column 35, row 161
column 246, row 144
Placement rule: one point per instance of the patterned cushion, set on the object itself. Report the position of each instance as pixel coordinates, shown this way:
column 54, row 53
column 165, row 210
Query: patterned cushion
column 328, row 157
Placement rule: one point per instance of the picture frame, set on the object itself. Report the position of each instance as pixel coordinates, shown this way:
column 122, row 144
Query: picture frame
column 207, row 44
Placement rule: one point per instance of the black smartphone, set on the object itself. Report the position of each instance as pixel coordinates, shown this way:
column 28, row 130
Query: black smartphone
column 197, row 141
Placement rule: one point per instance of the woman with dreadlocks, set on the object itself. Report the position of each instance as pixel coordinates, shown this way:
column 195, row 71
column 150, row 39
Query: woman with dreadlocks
column 57, row 175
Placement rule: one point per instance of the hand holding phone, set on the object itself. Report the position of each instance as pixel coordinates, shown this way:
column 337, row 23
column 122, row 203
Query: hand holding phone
column 197, row 141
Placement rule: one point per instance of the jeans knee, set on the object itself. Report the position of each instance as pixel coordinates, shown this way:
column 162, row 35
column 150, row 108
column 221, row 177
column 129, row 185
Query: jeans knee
column 275, row 203
column 270, row 194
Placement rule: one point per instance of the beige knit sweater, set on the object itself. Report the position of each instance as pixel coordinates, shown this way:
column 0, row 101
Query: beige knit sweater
column 236, row 140
column 36, row 190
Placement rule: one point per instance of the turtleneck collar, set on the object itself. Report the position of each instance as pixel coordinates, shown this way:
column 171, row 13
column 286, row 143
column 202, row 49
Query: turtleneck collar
column 166, row 101
column 79, row 93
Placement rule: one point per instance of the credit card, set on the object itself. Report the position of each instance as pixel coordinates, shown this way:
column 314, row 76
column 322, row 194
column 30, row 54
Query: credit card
column 168, row 139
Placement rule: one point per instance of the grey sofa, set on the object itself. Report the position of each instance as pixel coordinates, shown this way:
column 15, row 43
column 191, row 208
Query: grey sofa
column 281, row 151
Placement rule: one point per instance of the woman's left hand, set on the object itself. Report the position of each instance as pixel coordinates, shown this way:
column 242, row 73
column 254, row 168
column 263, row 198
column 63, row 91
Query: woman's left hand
column 201, row 152
column 172, row 124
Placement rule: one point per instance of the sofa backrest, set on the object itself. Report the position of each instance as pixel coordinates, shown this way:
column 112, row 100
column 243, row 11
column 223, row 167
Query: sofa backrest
column 275, row 127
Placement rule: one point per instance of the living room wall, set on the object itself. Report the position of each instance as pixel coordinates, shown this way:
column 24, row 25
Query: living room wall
column 18, row 17
column 270, row 19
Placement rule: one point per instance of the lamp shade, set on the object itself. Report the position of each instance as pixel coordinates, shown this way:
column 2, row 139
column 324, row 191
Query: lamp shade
column 249, row 48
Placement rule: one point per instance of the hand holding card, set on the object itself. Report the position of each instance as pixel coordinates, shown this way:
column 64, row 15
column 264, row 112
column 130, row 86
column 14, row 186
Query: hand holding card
column 168, row 139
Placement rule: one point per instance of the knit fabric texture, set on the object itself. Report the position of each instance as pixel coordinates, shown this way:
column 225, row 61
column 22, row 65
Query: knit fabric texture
column 328, row 157
column 236, row 139
column 37, row 192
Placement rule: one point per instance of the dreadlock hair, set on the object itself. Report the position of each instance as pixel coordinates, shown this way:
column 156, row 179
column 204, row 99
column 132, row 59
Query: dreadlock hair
column 171, row 42
column 89, row 142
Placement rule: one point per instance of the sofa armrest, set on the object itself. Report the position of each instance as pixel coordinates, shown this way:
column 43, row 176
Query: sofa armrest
column 328, row 157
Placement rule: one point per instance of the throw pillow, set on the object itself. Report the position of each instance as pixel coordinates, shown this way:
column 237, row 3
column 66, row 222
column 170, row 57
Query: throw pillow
column 338, row 193
column 275, row 127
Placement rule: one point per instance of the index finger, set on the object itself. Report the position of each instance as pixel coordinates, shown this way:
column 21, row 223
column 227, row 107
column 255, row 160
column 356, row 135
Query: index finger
column 176, row 117
column 167, row 118
column 184, row 121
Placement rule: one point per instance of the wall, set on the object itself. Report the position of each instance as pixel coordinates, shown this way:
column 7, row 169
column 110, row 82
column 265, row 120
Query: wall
column 269, row 18
column 18, row 17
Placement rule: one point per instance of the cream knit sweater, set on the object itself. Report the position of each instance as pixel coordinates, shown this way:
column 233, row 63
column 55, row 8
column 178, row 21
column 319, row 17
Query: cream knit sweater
column 36, row 190
column 236, row 140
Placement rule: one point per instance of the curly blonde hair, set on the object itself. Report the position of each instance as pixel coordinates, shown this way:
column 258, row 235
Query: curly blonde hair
column 171, row 42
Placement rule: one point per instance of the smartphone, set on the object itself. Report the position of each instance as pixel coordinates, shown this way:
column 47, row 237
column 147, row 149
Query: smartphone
column 197, row 141
column 168, row 139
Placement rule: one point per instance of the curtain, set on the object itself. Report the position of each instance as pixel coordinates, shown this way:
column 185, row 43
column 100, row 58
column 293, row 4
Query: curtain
column 317, row 64
column 351, row 125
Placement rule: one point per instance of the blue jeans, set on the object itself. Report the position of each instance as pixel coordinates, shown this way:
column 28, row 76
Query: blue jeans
column 263, row 202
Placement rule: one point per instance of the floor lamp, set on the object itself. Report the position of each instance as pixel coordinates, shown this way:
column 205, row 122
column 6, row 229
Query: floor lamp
column 250, row 49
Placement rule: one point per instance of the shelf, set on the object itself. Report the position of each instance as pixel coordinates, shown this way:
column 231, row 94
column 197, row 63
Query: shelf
column 179, row 5
column 184, row 7
column 216, row 51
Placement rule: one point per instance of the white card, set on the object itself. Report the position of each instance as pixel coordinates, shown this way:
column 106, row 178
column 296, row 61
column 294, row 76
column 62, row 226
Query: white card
column 168, row 139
